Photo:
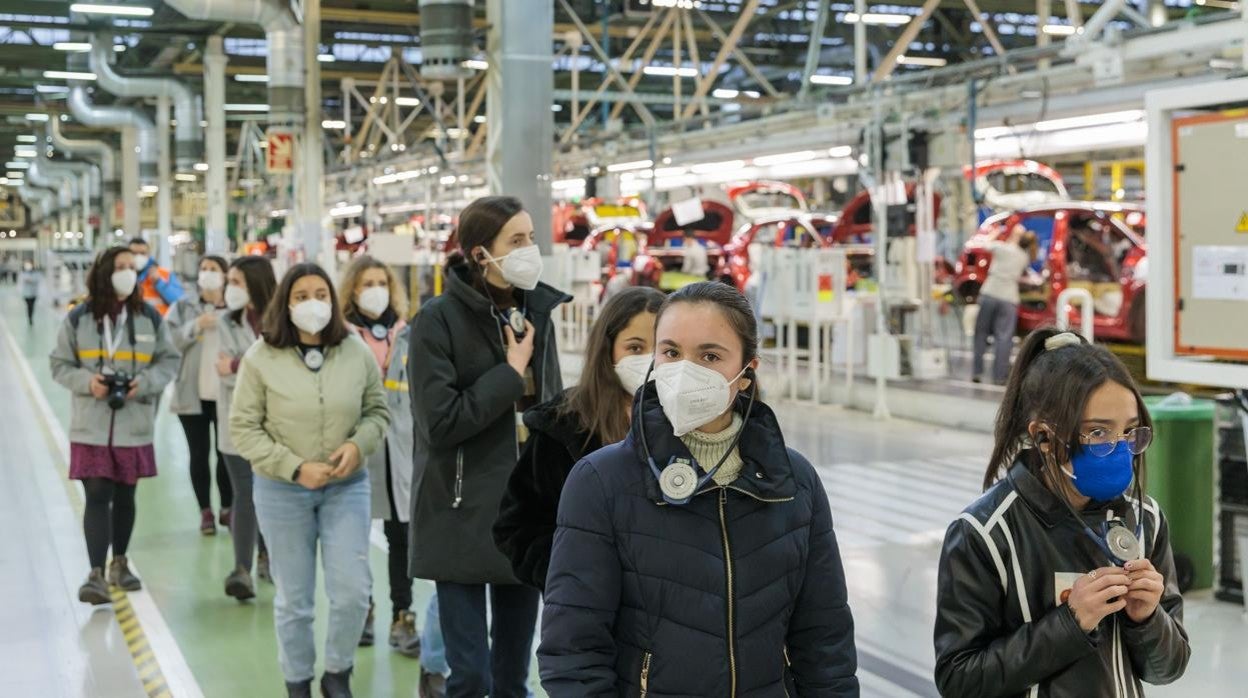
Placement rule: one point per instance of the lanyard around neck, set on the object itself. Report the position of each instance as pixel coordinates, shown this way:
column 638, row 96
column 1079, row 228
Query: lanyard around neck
column 111, row 343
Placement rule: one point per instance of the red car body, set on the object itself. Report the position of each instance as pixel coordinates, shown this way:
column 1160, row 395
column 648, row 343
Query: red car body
column 573, row 223
column 1098, row 246
column 794, row 230
column 647, row 251
column 763, row 199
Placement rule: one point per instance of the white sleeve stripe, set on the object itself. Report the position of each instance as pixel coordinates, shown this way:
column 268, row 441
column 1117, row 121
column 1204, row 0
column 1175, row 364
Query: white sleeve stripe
column 992, row 548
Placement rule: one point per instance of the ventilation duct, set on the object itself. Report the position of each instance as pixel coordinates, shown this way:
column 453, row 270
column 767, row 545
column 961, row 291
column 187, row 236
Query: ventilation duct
column 285, row 39
column 65, row 186
column 188, row 135
column 73, row 171
column 90, row 114
column 99, row 151
column 445, row 39
column 40, row 200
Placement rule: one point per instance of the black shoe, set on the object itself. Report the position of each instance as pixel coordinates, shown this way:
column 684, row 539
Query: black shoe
column 262, row 567
column 239, row 585
column 431, row 685
column 119, row 575
column 368, row 636
column 336, row 685
column 303, row 689
column 404, row 637
column 95, row 590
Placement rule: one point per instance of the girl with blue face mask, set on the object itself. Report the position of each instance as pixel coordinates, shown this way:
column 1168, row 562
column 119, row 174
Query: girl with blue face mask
column 1059, row 580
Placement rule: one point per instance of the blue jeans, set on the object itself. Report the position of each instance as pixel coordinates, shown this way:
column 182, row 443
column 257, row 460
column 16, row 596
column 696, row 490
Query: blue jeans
column 293, row 520
column 432, row 646
column 488, row 654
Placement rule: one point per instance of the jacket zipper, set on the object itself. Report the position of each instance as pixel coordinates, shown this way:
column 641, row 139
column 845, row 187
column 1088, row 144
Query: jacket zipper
column 645, row 674
column 788, row 671
column 732, row 640
column 459, row 478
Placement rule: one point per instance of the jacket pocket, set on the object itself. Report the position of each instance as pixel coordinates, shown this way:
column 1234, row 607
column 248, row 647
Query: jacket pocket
column 459, row 478
column 644, row 680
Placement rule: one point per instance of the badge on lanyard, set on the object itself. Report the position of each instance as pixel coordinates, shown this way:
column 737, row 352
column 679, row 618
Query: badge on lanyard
column 380, row 332
column 313, row 358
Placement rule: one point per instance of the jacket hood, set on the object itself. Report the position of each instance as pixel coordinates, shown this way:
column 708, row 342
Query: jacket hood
column 768, row 470
column 550, row 419
column 544, row 298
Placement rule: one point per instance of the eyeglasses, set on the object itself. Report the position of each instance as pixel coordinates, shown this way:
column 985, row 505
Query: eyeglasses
column 1102, row 442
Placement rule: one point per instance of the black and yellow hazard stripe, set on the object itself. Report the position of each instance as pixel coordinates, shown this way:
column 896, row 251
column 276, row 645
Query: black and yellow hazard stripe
column 141, row 654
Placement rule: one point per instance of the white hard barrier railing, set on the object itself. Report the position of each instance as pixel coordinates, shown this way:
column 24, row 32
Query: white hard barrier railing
column 1086, row 310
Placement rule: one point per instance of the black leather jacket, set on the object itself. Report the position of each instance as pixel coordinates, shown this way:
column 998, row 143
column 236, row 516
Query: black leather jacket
column 1001, row 629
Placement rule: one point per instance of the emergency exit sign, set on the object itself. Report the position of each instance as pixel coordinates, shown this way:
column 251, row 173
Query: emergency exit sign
column 280, row 154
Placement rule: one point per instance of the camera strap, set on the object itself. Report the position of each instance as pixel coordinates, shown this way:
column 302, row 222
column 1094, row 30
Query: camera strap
column 111, row 343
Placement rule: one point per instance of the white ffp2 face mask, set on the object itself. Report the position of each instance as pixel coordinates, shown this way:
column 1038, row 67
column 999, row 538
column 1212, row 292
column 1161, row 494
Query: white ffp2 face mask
column 311, row 316
column 521, row 267
column 692, row 395
column 374, row 300
column 210, row 280
column 124, row 281
column 141, row 261
column 236, row 297
column 632, row 370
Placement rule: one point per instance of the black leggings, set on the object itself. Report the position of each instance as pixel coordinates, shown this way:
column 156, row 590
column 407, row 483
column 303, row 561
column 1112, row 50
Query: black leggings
column 30, row 310
column 199, row 429
column 108, row 518
column 396, row 541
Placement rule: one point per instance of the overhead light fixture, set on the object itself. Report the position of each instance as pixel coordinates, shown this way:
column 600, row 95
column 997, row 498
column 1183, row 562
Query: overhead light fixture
column 667, row 71
column 556, row 107
column 51, row 89
column 785, row 158
column 723, row 93
column 840, row 151
column 448, row 179
column 26, row 138
column 838, row 80
column 332, row 124
column 149, row 189
column 878, row 18
column 752, row 94
column 923, row 61
column 566, row 184
column 25, row 153
column 4, row 181
column 475, row 64
column 15, row 174
column 185, row 177
column 326, row 57
column 67, row 75
column 17, row 165
column 201, row 167
column 406, row 101
column 247, row 107
column 74, row 46
column 344, row 211
column 627, row 166
column 709, row 167
column 1061, row 30
column 119, row 10
column 279, row 213
column 119, row 48
column 479, row 119
column 251, row 77
column 1109, row 119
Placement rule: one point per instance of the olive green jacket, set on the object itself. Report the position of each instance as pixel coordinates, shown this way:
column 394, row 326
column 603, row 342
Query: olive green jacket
column 283, row 414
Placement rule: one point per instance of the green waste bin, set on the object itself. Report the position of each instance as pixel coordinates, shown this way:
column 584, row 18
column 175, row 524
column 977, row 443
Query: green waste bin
column 1180, row 477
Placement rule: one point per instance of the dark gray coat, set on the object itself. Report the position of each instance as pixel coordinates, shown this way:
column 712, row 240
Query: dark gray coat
column 464, row 427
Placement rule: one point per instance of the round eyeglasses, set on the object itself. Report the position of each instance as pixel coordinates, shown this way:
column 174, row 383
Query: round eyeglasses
column 1102, row 442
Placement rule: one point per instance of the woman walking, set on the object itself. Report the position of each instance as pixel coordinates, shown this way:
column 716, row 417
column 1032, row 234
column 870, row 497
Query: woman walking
column 28, row 282
column 193, row 324
column 115, row 356
column 308, row 408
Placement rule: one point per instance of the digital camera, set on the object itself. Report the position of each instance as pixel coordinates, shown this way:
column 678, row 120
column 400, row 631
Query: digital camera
column 118, row 388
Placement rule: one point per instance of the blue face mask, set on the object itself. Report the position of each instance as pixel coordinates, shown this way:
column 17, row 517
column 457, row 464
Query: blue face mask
column 1103, row 478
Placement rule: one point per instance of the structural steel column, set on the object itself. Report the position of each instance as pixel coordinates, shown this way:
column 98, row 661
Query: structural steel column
column 521, row 90
column 309, row 164
column 88, row 233
column 164, row 197
column 130, row 181
column 860, row 44
column 217, row 229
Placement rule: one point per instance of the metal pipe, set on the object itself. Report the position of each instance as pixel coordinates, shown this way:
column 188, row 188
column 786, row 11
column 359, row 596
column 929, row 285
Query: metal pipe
column 106, row 185
column 65, row 187
column 815, row 47
column 90, row 114
column 188, row 135
column 216, row 231
column 1097, row 22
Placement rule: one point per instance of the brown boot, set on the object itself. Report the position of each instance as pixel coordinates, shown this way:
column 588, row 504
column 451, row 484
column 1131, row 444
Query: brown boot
column 119, row 575
column 95, row 590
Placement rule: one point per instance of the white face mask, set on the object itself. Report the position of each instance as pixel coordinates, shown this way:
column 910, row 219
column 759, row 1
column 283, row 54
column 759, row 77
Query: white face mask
column 236, row 297
column 141, row 261
column 692, row 395
column 124, row 281
column 210, row 280
column 632, row 370
column 374, row 300
column 521, row 268
column 311, row 316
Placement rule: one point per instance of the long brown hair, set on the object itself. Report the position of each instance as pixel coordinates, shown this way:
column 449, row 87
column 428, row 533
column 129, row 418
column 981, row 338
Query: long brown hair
column 261, row 284
column 597, row 400
column 280, row 332
column 1053, row 386
column 479, row 224
column 351, row 279
column 101, row 297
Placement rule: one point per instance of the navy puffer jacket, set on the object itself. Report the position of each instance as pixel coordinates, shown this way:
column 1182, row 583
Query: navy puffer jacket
column 739, row 593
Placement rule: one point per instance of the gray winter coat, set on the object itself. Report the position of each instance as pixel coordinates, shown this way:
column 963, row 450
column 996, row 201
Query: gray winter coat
column 395, row 496
column 236, row 339
column 464, row 427
column 182, row 318
column 145, row 351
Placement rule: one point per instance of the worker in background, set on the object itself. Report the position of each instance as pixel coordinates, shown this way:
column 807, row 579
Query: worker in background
column 998, row 302
column 1059, row 580
column 694, row 253
column 29, row 282
column 160, row 287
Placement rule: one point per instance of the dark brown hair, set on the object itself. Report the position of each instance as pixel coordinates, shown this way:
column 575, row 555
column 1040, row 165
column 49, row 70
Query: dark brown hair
column 734, row 306
column 101, row 297
column 280, row 332
column 479, row 224
column 137, row 240
column 223, row 265
column 1053, row 386
column 261, row 284
column 597, row 400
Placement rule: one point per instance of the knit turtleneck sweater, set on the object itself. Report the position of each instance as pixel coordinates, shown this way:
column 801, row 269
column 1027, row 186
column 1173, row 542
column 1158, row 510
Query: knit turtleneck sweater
column 707, row 449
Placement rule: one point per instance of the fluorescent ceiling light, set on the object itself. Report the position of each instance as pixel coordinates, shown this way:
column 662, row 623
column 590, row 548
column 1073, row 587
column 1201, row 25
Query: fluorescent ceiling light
column 785, row 158
column 251, row 77
column 752, row 94
column 51, row 89
column 17, row 165
column 556, row 107
column 879, row 18
column 840, row 80
column 118, row 48
column 475, row 64
column 328, row 123
column 247, row 107
column 326, row 57
column 721, row 93
column 1118, row 117
column 4, row 181
column 1061, row 30
column 120, row 10
column 22, row 153
column 27, row 139
column 185, row 177
column 565, row 184
column 840, row 151
column 67, row 75
column 346, row 211
column 15, row 175
column 626, row 166
column 709, row 167
column 201, row 167
column 406, row 101
column 923, row 60
column 279, row 213
column 75, row 46
column 448, row 179
column 662, row 172
column 149, row 189
column 667, row 71
column 479, row 119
